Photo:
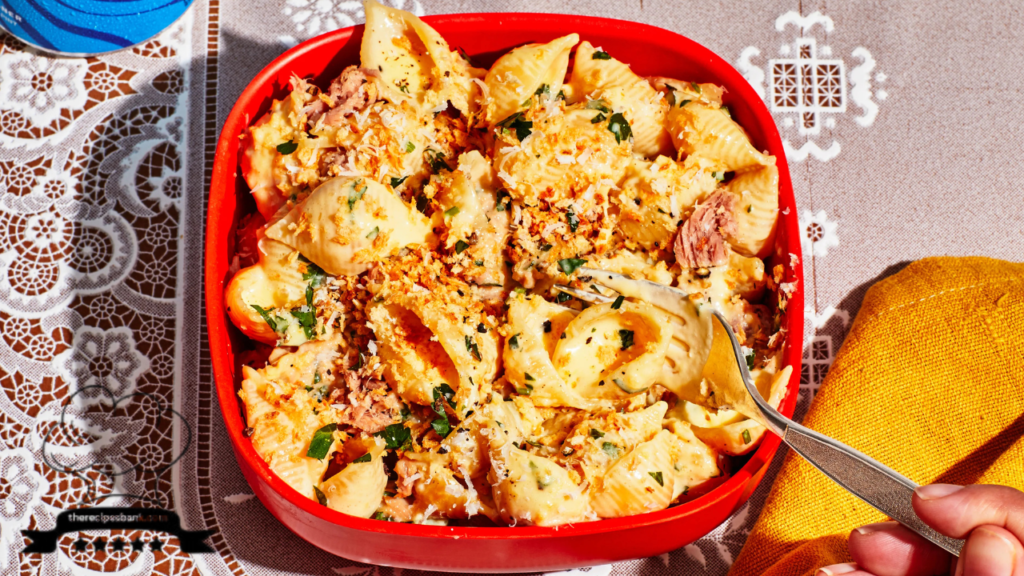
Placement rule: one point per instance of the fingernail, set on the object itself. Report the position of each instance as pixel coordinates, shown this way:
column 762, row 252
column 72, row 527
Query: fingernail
column 993, row 549
column 936, row 491
column 877, row 527
column 836, row 569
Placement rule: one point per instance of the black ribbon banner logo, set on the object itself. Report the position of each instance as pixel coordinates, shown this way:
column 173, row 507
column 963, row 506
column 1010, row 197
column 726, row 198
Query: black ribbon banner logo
column 157, row 519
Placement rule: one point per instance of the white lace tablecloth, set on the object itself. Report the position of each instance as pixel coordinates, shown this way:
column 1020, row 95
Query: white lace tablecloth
column 898, row 122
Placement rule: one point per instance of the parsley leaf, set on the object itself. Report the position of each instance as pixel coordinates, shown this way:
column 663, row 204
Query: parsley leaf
column 750, row 360
column 445, row 391
column 436, row 160
column 307, row 319
column 618, row 302
column 561, row 298
column 610, row 449
column 601, row 55
column 276, row 323
column 517, row 122
column 396, row 182
column 373, row 233
column 627, row 339
column 321, row 442
column 461, row 246
column 572, row 219
column 525, row 391
column 287, row 147
column 696, row 87
column 314, row 274
column 452, row 212
column 513, row 342
column 320, row 497
column 599, row 104
column 442, row 427
column 746, row 436
column 355, row 195
column 471, row 346
column 569, row 265
column 544, row 89
column 599, row 118
column 409, row 147
column 364, row 458
column 620, row 127
column 595, row 433
column 396, row 437
column 658, row 477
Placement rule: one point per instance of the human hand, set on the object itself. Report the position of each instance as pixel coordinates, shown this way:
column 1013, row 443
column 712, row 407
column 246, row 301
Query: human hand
column 991, row 518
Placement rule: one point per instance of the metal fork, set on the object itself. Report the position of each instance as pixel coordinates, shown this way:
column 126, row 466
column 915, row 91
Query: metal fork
column 880, row 486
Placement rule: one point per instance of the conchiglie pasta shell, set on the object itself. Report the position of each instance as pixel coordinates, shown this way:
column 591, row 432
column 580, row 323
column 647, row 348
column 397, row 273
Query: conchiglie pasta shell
column 532, row 350
column 687, row 352
column 693, row 462
column 334, row 226
column 358, row 488
column 628, row 487
column 709, row 132
column 724, row 431
column 515, row 77
column 534, row 490
column 591, row 358
column 274, row 283
column 757, row 195
column 644, row 107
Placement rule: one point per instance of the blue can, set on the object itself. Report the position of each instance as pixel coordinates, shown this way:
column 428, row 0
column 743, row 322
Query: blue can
column 88, row 27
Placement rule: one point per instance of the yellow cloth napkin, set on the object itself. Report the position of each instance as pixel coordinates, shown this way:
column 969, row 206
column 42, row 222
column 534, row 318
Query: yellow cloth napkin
column 930, row 381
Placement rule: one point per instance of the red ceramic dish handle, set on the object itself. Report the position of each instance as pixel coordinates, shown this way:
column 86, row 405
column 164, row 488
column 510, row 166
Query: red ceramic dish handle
column 650, row 51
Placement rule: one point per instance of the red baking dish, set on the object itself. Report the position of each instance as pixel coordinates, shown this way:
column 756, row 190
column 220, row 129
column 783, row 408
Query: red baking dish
column 650, row 51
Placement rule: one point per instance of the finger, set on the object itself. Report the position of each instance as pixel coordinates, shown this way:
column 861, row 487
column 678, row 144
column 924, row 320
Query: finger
column 848, row 569
column 891, row 549
column 956, row 510
column 991, row 551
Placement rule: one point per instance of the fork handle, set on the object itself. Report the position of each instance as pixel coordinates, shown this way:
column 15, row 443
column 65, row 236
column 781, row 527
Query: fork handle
column 873, row 482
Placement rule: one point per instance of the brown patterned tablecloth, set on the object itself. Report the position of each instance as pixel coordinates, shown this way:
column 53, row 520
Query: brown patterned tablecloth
column 899, row 120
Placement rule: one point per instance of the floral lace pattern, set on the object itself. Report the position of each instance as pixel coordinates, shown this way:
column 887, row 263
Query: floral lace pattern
column 92, row 171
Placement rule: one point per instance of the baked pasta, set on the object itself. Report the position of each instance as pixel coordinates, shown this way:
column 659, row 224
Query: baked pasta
column 412, row 361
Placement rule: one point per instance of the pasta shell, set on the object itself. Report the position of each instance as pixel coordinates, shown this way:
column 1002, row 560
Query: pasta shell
column 275, row 284
column 534, row 490
column 515, row 77
column 347, row 224
column 644, row 107
column 711, row 133
column 358, row 488
column 757, row 194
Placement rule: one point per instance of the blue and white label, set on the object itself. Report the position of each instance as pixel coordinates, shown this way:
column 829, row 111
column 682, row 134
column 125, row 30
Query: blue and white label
column 84, row 27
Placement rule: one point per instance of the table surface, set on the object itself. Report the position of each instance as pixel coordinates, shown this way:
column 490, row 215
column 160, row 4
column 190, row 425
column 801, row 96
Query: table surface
column 908, row 150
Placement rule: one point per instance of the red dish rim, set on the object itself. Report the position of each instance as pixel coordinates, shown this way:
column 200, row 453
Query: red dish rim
column 224, row 177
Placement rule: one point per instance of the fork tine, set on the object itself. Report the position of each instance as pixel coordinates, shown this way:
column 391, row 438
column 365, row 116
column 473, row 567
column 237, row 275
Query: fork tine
column 670, row 299
column 592, row 297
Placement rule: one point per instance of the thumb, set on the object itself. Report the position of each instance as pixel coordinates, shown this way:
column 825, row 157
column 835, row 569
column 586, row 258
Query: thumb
column 957, row 510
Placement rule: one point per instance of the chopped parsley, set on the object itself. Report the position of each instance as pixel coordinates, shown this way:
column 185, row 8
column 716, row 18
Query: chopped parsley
column 746, row 436
column 320, row 497
column 452, row 212
column 750, row 360
column 396, row 437
column 373, row 233
column 461, row 246
column 601, row 105
column 436, row 160
column 610, row 449
column 696, row 87
column 513, row 342
column 595, row 433
column 620, row 127
column 287, row 147
column 599, row 118
column 276, row 323
column 517, row 122
column 380, row 515
column 601, row 55
column 618, row 302
column 528, row 378
column 570, row 265
column 561, row 298
column 465, row 56
column 544, row 89
column 719, row 175
column 683, row 103
column 444, row 391
column 314, row 274
column 396, row 182
column 658, row 477
column 728, row 112
column 409, row 147
column 572, row 219
column 471, row 346
column 355, row 195
column 627, row 339
column 527, row 390
column 321, row 442
column 442, row 427
column 307, row 320
column 364, row 458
